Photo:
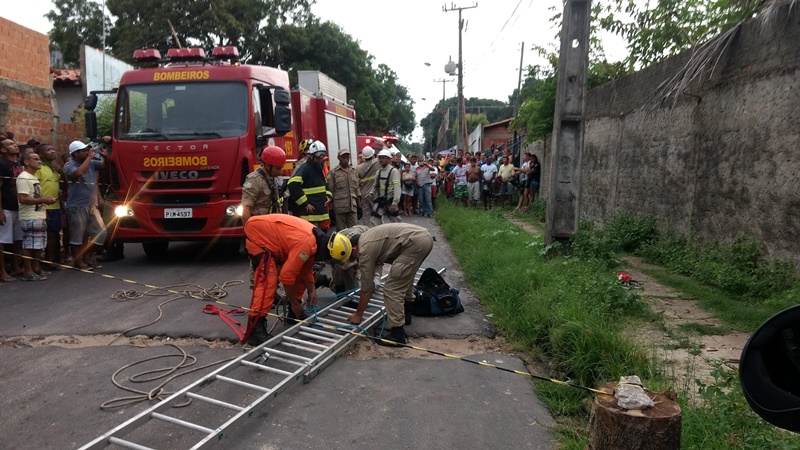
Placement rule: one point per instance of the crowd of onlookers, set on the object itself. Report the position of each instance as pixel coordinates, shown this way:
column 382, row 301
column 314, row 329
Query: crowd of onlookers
column 484, row 178
column 49, row 208
column 49, row 205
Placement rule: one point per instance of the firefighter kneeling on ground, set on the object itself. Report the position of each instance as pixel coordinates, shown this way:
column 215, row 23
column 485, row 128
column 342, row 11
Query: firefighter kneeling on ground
column 260, row 191
column 283, row 249
column 405, row 247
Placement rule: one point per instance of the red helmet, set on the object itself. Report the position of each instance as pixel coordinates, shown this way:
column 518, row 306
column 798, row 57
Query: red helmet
column 624, row 277
column 273, row 156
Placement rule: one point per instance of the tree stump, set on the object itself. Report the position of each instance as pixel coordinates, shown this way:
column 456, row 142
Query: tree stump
column 657, row 428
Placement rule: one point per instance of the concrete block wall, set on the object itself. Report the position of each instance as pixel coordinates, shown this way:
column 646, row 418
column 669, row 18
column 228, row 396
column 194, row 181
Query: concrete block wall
column 723, row 162
column 27, row 101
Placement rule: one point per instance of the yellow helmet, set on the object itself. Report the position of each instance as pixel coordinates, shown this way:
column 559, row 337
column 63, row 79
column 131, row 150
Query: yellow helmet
column 303, row 145
column 339, row 247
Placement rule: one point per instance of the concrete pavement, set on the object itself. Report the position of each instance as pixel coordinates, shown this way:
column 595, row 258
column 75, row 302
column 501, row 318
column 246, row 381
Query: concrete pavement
column 54, row 391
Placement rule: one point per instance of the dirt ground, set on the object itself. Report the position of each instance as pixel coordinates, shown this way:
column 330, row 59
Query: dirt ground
column 363, row 350
column 686, row 356
column 108, row 339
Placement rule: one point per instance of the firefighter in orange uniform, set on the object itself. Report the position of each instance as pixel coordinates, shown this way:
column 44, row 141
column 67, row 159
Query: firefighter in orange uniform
column 283, row 249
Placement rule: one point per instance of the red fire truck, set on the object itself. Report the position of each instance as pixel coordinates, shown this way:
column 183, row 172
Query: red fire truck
column 187, row 131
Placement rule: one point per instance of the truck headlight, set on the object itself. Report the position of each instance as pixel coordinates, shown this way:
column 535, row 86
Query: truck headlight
column 232, row 210
column 123, row 211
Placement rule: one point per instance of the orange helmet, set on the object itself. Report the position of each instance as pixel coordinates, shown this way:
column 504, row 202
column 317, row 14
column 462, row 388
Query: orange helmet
column 273, row 156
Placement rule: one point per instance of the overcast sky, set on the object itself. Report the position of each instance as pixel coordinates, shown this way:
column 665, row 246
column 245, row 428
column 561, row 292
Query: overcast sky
column 405, row 35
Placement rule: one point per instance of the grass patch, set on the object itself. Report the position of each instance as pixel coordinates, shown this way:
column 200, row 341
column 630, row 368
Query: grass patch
column 722, row 419
column 535, row 214
column 567, row 308
column 572, row 310
column 703, row 329
column 737, row 267
column 737, row 312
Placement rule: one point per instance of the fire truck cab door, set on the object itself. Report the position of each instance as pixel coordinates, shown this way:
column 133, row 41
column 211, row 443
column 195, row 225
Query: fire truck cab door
column 271, row 121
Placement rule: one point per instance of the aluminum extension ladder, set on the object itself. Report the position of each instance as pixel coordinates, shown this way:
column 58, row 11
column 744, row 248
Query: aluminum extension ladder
column 300, row 352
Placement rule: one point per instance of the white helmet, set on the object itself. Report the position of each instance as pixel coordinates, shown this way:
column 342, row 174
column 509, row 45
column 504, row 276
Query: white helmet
column 317, row 147
column 385, row 152
column 367, row 152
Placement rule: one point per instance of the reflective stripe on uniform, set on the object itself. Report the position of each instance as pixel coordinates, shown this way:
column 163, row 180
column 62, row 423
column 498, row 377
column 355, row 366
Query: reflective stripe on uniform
column 296, row 179
column 365, row 179
column 316, row 217
column 314, row 190
column 301, row 200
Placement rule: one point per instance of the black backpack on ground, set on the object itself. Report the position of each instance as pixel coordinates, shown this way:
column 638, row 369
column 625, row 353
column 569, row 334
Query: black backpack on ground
column 434, row 297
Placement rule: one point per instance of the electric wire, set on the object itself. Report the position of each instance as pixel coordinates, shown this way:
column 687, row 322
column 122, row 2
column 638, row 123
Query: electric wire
column 490, row 49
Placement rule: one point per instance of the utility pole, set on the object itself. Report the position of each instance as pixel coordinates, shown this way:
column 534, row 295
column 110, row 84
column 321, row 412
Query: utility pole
column 462, row 119
column 103, row 18
column 444, row 109
column 519, row 79
column 443, row 81
column 563, row 208
column 518, row 148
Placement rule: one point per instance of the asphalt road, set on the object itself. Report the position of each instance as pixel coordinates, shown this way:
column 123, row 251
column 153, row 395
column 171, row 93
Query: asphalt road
column 56, row 365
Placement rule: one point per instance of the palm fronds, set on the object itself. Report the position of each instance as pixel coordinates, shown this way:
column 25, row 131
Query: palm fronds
column 706, row 56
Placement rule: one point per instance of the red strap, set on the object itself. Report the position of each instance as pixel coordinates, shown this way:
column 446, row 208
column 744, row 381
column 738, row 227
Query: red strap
column 224, row 314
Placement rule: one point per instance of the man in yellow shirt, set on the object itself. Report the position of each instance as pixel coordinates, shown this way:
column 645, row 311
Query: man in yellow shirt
column 32, row 217
column 505, row 172
column 50, row 179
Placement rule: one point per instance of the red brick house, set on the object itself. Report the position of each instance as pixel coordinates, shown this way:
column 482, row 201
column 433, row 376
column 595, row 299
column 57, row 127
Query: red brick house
column 28, row 104
column 497, row 134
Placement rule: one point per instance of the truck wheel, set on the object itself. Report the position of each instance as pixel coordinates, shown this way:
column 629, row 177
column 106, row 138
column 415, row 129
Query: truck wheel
column 155, row 249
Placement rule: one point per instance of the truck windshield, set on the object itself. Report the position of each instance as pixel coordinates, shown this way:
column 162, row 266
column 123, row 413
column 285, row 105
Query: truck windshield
column 181, row 111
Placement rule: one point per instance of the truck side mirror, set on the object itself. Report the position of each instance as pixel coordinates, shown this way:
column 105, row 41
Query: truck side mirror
column 283, row 113
column 275, row 121
column 91, row 102
column 91, row 123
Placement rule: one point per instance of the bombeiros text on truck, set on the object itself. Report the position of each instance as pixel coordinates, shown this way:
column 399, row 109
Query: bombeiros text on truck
column 187, row 131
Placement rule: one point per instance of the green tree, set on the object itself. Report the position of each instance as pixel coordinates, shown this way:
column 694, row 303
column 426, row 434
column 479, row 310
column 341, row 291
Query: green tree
column 395, row 107
column 75, row 22
column 667, row 27
column 473, row 120
column 205, row 23
column 277, row 33
column 537, row 97
column 535, row 116
column 653, row 33
column 382, row 105
column 105, row 115
column 494, row 111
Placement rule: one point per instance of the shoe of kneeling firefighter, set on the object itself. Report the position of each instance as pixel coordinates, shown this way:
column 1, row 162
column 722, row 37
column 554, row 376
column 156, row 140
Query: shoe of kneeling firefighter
column 259, row 334
column 396, row 335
